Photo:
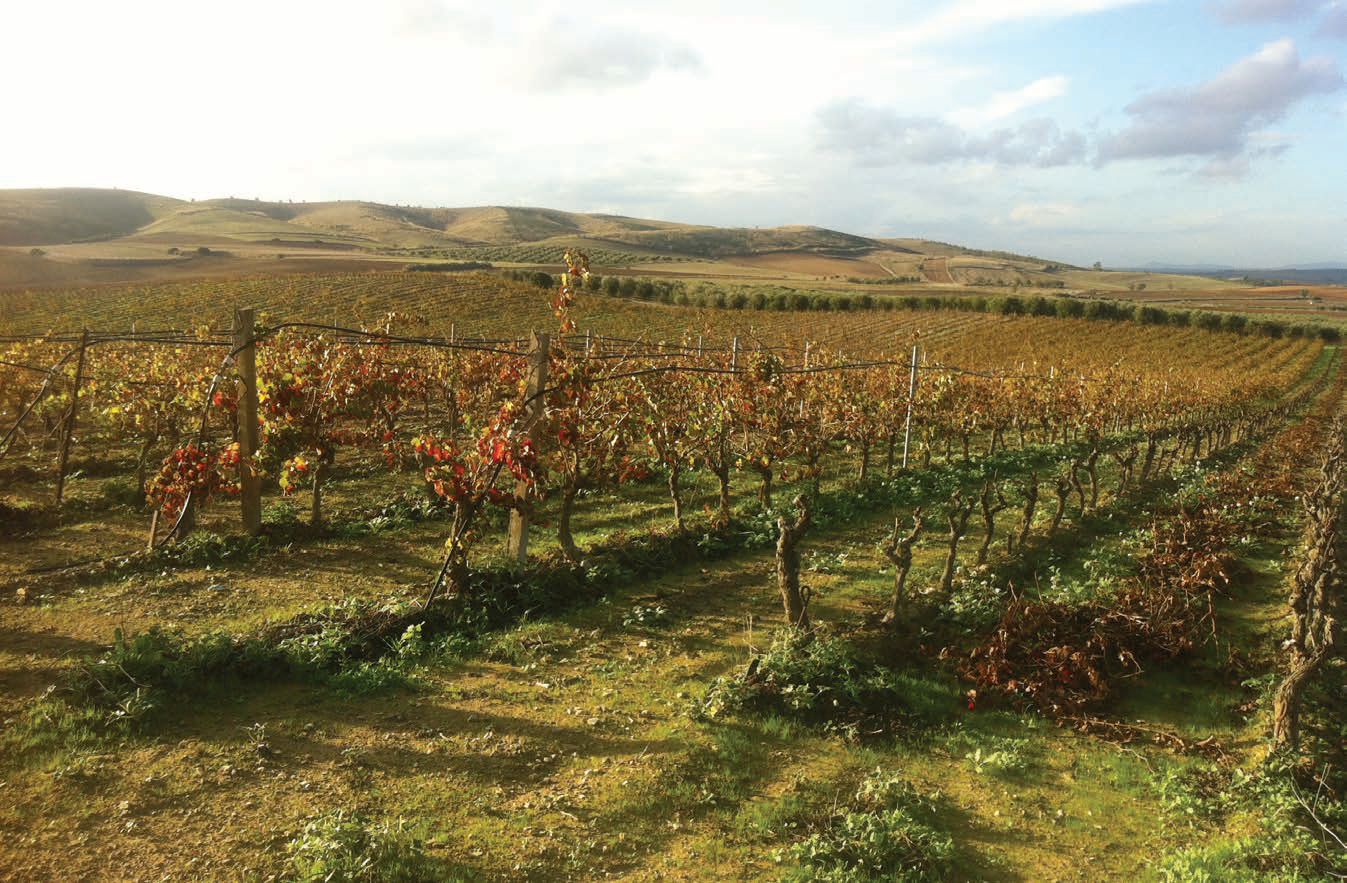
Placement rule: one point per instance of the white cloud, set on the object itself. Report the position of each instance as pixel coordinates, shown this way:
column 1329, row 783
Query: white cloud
column 1044, row 214
column 598, row 56
column 961, row 18
column 1007, row 104
column 1218, row 117
column 879, row 136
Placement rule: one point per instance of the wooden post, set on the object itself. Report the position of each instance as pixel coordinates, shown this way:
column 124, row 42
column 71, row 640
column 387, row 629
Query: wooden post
column 69, row 434
column 911, row 394
column 734, row 355
column 245, row 360
column 539, row 346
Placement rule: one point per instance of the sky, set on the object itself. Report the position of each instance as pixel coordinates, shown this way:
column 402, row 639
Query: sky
column 1120, row 131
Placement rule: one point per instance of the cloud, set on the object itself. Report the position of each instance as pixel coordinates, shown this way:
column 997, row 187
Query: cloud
column 1044, row 214
column 606, row 57
column 877, row 136
column 1006, row 104
column 1240, row 11
column 1334, row 22
column 1217, row 118
column 1231, row 167
column 958, row 19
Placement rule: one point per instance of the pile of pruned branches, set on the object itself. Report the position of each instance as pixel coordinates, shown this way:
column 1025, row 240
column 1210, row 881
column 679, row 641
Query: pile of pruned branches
column 1065, row 659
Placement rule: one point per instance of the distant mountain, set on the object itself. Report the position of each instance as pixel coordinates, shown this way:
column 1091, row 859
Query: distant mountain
column 1159, row 267
column 1322, row 273
column 1329, row 275
column 1321, row 265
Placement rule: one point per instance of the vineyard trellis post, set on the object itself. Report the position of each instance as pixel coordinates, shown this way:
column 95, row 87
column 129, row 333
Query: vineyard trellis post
column 539, row 347
column 250, row 483
column 911, row 394
column 68, row 434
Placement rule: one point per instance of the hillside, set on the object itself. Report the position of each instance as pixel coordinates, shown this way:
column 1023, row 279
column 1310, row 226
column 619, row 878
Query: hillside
column 48, row 217
column 67, row 216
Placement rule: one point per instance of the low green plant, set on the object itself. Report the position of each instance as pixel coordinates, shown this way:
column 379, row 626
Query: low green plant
column 1194, row 793
column 646, row 615
column 1299, row 836
column 204, row 548
column 366, row 678
column 975, row 605
column 1245, row 860
column 1000, row 756
column 411, row 646
column 888, row 833
column 53, row 728
column 341, row 847
column 817, row 679
column 141, row 672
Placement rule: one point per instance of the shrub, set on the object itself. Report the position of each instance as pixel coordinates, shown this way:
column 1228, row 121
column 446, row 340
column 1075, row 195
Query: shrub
column 1150, row 315
column 1208, row 321
column 1069, row 308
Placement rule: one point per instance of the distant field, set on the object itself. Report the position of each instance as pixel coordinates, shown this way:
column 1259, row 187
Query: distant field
column 77, row 266
column 468, row 304
column 799, row 263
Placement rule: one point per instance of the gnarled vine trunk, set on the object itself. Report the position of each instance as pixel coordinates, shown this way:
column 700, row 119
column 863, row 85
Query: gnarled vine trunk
column 793, row 597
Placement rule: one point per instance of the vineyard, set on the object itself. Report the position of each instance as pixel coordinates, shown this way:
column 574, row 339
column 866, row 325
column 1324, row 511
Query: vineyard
column 426, row 576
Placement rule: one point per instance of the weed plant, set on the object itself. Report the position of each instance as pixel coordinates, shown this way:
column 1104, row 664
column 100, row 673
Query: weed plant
column 341, row 847
column 820, row 680
column 889, row 832
column 1297, row 833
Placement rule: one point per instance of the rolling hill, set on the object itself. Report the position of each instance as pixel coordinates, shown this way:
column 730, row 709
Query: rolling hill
column 78, row 236
column 48, row 217
column 66, row 216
